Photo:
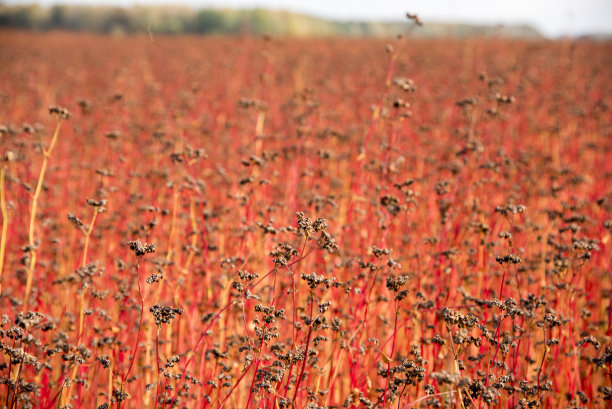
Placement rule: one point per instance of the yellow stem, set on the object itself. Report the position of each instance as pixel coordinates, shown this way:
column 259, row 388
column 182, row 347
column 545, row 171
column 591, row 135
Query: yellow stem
column 83, row 264
column 4, row 223
column 261, row 116
column 194, row 236
column 82, row 297
column 87, row 234
column 41, row 177
column 172, row 224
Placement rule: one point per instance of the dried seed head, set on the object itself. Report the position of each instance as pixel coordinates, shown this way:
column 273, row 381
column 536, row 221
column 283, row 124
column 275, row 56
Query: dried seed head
column 414, row 18
column 85, row 106
column 113, row 135
column 61, row 112
column 163, row 315
column 75, row 220
column 140, row 249
column 509, row 258
column 405, row 84
column 96, row 203
column 104, row 361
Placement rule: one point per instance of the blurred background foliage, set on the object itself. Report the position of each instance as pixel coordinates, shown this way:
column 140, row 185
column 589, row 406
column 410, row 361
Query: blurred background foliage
column 184, row 20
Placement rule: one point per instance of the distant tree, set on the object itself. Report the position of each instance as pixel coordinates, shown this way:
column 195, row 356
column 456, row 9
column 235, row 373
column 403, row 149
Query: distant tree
column 26, row 17
column 57, row 17
column 117, row 21
column 209, row 21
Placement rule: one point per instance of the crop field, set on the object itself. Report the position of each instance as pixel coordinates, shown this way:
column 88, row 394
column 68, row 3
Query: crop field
column 256, row 222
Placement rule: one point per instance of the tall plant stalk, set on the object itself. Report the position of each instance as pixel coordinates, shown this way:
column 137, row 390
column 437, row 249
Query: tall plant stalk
column 62, row 114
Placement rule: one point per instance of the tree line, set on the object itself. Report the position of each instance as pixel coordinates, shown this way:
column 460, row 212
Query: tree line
column 181, row 20
column 184, row 20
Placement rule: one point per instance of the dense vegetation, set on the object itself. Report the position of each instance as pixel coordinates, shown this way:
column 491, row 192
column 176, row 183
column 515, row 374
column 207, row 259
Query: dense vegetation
column 209, row 222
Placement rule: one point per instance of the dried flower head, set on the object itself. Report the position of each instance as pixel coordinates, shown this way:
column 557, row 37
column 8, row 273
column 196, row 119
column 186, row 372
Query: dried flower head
column 140, row 249
column 163, row 314
column 60, row 112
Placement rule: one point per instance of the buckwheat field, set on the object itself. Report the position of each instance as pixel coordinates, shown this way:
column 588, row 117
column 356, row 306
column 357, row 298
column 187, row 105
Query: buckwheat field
column 261, row 222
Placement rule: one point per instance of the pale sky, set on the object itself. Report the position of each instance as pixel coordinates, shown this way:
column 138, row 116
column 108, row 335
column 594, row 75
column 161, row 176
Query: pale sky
column 552, row 17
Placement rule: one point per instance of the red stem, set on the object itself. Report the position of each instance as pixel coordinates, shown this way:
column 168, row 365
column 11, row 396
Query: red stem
column 392, row 351
column 233, row 387
column 297, row 385
column 139, row 324
column 194, row 349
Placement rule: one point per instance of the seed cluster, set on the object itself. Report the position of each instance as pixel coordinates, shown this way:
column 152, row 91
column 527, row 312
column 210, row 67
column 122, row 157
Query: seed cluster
column 140, row 249
column 164, row 314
